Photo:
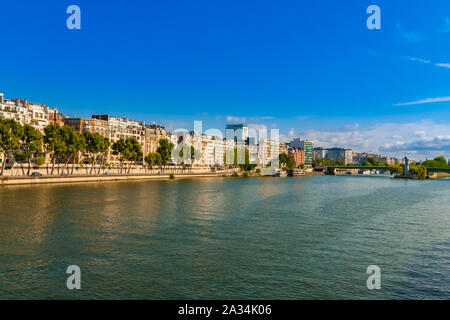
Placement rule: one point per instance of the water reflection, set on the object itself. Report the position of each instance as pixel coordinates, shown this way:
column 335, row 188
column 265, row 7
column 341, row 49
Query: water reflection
column 226, row 238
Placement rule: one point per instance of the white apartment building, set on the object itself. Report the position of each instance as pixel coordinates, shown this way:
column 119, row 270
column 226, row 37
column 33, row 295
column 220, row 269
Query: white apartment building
column 219, row 151
column 25, row 112
column 208, row 154
column 334, row 154
column 268, row 150
column 209, row 149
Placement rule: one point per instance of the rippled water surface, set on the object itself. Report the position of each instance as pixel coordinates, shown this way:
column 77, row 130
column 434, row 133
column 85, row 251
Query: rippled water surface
column 225, row 238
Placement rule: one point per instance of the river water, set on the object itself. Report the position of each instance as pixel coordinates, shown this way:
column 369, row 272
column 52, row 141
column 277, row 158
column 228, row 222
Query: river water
column 227, row 238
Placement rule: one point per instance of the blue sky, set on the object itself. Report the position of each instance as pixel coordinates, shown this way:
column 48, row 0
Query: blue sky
column 310, row 68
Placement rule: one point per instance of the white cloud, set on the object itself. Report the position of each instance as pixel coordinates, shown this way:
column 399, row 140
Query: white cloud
column 236, row 119
column 443, row 65
column 440, row 65
column 257, row 126
column 245, row 119
column 423, row 101
column 419, row 60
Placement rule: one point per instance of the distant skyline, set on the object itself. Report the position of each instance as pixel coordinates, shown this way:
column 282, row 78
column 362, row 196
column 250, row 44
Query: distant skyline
column 313, row 70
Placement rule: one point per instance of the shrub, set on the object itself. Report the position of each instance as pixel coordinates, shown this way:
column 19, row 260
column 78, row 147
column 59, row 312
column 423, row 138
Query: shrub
column 172, row 176
column 418, row 171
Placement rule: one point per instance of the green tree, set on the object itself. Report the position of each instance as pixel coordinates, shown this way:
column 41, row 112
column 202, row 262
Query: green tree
column 238, row 161
column 195, row 154
column 324, row 163
column 105, row 144
column 372, row 162
column 290, row 164
column 119, row 148
column 134, row 151
column 30, row 145
column 396, row 169
column 418, row 171
column 282, row 159
column 96, row 146
column 153, row 159
column 74, row 143
column 286, row 161
column 165, row 150
column 129, row 150
column 246, row 166
column 439, row 162
column 54, row 143
column 10, row 134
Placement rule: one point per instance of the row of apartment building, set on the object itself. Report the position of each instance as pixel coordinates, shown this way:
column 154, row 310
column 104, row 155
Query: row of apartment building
column 212, row 148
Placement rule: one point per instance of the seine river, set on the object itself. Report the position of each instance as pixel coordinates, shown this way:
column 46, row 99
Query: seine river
column 227, row 238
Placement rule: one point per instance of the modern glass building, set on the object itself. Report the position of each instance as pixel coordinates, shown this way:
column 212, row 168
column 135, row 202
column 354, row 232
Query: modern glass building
column 238, row 131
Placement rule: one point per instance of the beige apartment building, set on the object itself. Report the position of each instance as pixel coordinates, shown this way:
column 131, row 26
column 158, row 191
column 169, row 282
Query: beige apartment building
column 153, row 133
column 89, row 124
column 123, row 128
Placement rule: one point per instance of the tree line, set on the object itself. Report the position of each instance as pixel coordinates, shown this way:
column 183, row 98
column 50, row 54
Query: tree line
column 64, row 145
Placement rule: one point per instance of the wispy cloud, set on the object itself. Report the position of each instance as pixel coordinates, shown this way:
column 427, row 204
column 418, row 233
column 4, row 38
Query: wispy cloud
column 236, row 119
column 423, row 101
column 440, row 65
column 408, row 36
column 247, row 119
column 418, row 60
column 443, row 65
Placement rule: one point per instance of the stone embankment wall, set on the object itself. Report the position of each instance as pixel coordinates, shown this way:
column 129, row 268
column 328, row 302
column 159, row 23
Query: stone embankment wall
column 76, row 170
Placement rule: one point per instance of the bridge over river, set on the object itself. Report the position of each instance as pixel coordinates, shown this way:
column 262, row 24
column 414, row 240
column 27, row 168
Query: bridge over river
column 356, row 169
